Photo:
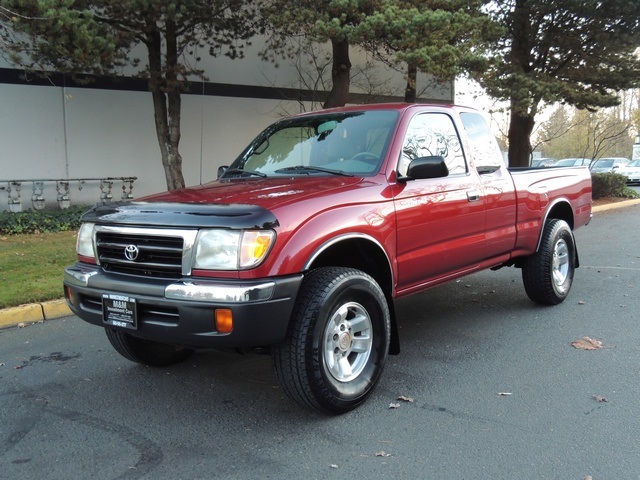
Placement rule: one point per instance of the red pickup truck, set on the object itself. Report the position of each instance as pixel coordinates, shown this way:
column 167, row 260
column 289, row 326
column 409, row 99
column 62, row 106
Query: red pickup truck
column 303, row 243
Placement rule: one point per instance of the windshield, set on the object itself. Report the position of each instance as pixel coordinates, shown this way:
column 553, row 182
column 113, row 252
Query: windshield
column 565, row 163
column 603, row 163
column 570, row 162
column 352, row 143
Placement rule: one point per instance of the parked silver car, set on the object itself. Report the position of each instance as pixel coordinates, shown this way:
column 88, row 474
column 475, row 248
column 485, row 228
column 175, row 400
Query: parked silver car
column 572, row 162
column 543, row 162
column 608, row 165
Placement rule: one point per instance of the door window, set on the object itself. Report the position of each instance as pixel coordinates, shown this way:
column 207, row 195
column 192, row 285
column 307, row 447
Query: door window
column 484, row 147
column 432, row 134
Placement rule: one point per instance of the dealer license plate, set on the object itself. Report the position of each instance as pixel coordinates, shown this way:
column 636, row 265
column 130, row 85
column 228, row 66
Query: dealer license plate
column 119, row 311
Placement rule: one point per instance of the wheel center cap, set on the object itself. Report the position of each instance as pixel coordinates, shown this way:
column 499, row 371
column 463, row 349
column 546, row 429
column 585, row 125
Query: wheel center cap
column 344, row 342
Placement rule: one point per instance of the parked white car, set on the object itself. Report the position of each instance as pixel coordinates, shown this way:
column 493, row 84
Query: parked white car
column 608, row 165
column 631, row 171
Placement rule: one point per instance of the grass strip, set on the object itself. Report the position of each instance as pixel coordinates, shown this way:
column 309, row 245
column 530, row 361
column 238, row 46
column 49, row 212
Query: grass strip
column 31, row 266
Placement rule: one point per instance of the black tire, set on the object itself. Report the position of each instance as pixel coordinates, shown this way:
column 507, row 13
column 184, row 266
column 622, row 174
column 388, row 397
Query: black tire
column 548, row 274
column 337, row 343
column 146, row 352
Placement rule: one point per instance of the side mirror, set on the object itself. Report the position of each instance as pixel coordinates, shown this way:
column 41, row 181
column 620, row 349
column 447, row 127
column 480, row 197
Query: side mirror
column 221, row 170
column 426, row 167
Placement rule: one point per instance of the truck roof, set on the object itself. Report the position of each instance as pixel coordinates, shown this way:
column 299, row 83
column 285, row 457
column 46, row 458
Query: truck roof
column 400, row 106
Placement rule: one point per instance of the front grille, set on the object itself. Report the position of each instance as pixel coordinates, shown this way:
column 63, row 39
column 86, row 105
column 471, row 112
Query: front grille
column 156, row 256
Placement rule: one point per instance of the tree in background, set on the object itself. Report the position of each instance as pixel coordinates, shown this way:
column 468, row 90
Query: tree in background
column 7, row 37
column 312, row 64
column 606, row 134
column 97, row 37
column 312, row 21
column 572, row 132
column 443, row 38
column 554, row 138
column 577, row 52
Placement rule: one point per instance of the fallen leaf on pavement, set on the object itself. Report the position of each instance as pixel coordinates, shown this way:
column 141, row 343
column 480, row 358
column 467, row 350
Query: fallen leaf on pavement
column 586, row 343
column 22, row 325
column 406, row 399
column 600, row 398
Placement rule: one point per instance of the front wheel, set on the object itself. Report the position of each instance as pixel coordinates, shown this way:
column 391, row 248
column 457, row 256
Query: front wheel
column 146, row 352
column 548, row 274
column 337, row 342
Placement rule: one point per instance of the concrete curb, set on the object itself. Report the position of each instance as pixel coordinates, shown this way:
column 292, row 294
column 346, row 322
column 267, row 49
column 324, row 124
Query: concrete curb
column 39, row 312
column 611, row 206
column 33, row 313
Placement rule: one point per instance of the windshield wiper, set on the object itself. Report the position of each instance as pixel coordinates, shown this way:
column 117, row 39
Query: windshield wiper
column 308, row 169
column 239, row 171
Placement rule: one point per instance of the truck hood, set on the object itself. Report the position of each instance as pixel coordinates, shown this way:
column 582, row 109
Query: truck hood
column 270, row 193
column 228, row 204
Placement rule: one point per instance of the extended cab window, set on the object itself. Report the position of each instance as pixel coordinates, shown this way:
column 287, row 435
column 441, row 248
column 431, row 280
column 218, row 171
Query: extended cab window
column 485, row 151
column 432, row 134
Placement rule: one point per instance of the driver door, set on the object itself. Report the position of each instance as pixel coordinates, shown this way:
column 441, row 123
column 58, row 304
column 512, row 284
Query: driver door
column 441, row 221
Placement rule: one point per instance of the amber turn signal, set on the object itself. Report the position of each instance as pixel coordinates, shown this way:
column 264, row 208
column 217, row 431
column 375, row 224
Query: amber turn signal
column 224, row 320
column 70, row 296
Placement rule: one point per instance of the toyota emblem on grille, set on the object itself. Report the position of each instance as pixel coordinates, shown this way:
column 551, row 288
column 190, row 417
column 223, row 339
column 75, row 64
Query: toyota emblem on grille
column 131, row 252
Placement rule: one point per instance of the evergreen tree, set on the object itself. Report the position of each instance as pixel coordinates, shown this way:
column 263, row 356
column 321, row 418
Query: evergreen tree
column 332, row 21
column 555, row 135
column 97, row 37
column 443, row 38
column 440, row 37
column 577, row 52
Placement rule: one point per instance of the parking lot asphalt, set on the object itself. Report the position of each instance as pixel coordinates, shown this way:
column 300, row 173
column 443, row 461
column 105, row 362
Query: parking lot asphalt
column 50, row 310
column 489, row 385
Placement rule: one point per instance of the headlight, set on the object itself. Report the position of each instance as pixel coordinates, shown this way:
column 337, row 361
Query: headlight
column 232, row 249
column 84, row 243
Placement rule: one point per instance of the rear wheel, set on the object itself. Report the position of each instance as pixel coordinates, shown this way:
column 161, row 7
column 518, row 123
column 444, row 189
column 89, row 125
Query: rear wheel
column 146, row 352
column 337, row 342
column 548, row 274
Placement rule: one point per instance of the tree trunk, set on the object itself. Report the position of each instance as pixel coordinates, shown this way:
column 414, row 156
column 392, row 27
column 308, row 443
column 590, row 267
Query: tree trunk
column 340, row 75
column 523, row 104
column 412, row 78
column 520, row 128
column 165, row 91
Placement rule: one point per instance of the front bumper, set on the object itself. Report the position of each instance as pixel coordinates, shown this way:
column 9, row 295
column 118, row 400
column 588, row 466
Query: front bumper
column 182, row 312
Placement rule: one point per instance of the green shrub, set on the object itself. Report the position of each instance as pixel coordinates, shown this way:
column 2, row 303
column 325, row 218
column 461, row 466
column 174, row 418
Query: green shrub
column 611, row 185
column 40, row 221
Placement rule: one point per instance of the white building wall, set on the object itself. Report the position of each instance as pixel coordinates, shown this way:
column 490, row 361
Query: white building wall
column 31, row 130
column 71, row 133
column 54, row 132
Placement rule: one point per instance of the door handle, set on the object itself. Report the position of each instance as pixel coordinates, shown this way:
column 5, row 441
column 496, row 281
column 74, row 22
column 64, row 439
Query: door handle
column 473, row 195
